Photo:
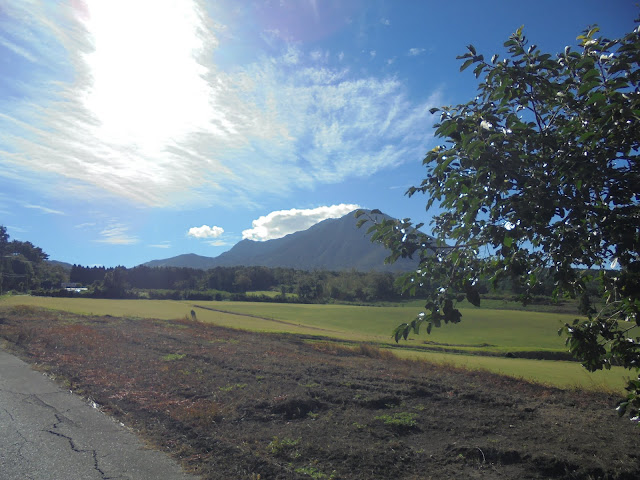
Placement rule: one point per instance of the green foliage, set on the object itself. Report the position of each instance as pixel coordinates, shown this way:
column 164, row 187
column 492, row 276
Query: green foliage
column 399, row 420
column 236, row 386
column 24, row 267
column 173, row 357
column 538, row 175
column 314, row 473
column 253, row 283
column 287, row 447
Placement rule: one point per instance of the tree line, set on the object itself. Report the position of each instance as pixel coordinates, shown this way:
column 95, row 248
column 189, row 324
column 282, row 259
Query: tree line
column 290, row 284
column 24, row 267
column 224, row 283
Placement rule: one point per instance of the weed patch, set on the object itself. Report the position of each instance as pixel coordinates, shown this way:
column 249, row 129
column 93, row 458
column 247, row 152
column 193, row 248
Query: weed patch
column 285, row 447
column 171, row 357
column 374, row 352
column 229, row 388
column 314, row 473
column 399, row 420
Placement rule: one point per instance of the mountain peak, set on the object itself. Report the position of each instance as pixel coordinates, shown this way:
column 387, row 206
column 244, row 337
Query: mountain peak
column 334, row 244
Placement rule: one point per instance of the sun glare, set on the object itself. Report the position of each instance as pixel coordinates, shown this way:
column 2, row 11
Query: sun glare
column 148, row 88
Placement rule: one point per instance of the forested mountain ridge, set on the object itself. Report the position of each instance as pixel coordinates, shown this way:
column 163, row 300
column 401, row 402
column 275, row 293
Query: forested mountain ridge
column 187, row 260
column 334, row 244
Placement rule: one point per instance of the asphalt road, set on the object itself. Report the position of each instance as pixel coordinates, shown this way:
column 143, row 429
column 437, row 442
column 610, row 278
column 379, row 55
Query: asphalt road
column 49, row 433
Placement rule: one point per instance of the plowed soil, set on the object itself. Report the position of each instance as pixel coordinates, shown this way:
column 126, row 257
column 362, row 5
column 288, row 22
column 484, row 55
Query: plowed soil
column 231, row 404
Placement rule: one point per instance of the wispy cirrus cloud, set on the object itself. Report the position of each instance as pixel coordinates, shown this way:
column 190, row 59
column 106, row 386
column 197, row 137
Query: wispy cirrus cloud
column 85, row 225
column 219, row 243
column 18, row 50
column 43, row 209
column 283, row 222
column 160, row 245
column 13, row 228
column 414, row 52
column 117, row 234
column 151, row 118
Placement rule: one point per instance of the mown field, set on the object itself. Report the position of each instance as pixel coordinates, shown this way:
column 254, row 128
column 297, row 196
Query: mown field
column 487, row 338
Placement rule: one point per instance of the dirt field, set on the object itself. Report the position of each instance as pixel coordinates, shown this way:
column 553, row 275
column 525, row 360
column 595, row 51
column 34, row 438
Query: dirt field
column 235, row 405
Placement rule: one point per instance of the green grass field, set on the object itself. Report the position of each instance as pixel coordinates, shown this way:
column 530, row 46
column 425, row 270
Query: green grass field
column 482, row 331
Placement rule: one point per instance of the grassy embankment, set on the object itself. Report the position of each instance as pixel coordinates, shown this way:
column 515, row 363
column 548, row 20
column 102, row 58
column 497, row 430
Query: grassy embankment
column 481, row 341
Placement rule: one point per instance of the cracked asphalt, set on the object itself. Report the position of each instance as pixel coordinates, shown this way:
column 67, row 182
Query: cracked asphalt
column 47, row 432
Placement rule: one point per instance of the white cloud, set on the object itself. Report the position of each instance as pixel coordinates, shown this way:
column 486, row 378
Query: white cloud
column 319, row 56
column 17, row 50
column 86, row 225
column 385, row 21
column 44, row 209
column 283, row 222
column 414, row 52
column 117, row 234
column 16, row 229
column 325, row 126
column 161, row 245
column 218, row 243
column 150, row 118
column 205, row 232
column 292, row 56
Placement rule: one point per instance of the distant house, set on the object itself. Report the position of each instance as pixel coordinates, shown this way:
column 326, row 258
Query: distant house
column 73, row 287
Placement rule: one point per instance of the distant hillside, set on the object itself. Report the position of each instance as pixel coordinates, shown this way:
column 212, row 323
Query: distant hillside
column 188, row 260
column 65, row 265
column 333, row 244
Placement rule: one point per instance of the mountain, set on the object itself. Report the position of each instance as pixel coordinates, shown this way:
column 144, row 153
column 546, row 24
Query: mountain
column 333, row 244
column 65, row 265
column 188, row 260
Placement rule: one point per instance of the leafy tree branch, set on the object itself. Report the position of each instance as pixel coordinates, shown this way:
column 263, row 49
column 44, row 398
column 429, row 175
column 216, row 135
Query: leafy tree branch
column 537, row 175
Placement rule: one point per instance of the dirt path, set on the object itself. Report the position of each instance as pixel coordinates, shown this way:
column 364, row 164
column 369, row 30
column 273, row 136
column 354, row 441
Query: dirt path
column 267, row 319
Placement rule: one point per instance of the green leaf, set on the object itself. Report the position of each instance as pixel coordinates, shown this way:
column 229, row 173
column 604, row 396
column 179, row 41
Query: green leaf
column 401, row 331
column 508, row 241
column 597, row 97
column 466, row 64
column 473, row 295
column 590, row 74
column 587, row 87
column 587, row 136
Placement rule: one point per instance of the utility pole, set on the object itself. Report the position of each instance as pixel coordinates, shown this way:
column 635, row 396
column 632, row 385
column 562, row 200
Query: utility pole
column 4, row 240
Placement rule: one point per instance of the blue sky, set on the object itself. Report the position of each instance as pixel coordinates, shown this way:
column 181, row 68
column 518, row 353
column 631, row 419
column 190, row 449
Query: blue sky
column 132, row 130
